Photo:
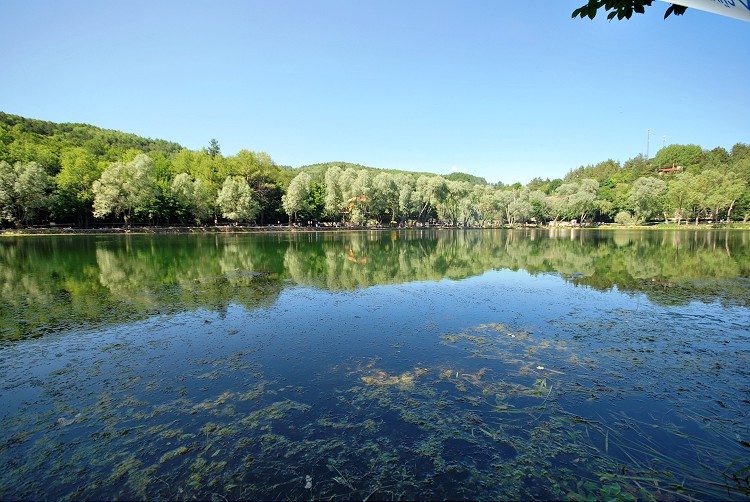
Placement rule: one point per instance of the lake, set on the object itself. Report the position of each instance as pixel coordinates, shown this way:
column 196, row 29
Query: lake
column 419, row 364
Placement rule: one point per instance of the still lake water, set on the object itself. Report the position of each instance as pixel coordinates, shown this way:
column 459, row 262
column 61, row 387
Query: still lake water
column 474, row 364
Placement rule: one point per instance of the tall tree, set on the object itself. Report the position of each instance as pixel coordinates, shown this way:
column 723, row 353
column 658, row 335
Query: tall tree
column 521, row 209
column 236, row 200
column 679, row 195
column 406, row 200
column 295, row 198
column 126, row 189
column 23, row 191
column 75, row 181
column 436, row 193
column 452, row 206
column 725, row 189
column 385, row 196
column 484, row 207
column 182, row 193
column 193, row 199
column 503, row 201
column 359, row 203
column 578, row 200
column 263, row 176
column 647, row 197
column 7, row 192
column 214, row 149
column 334, row 197
column 541, row 206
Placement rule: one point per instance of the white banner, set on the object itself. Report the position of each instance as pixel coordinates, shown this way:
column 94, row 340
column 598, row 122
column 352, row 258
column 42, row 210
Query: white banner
column 739, row 9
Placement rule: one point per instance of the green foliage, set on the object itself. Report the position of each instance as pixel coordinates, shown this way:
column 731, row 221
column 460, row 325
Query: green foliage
column 236, row 200
column 647, row 197
column 193, row 199
column 578, row 200
column 214, row 149
column 295, row 199
column 621, row 9
column 686, row 156
column 469, row 178
column 599, row 172
column 625, row 218
column 264, row 178
column 314, row 207
column 613, row 197
column 385, row 197
column 99, row 142
column 126, row 189
column 334, row 200
column 23, row 190
column 79, row 170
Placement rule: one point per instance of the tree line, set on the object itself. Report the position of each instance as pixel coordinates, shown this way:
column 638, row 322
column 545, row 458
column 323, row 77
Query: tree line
column 77, row 174
column 682, row 184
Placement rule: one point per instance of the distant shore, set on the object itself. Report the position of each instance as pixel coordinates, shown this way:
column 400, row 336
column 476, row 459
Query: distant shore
column 229, row 229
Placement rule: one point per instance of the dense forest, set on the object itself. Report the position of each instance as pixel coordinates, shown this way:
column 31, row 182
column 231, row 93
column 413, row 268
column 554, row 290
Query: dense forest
column 81, row 175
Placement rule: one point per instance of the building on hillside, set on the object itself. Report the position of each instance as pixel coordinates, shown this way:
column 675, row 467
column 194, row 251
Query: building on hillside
column 674, row 169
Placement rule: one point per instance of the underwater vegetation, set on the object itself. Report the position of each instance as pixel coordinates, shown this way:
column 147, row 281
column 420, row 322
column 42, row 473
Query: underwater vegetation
column 501, row 413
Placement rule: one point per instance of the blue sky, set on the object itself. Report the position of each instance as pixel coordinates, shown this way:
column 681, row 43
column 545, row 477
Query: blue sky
column 500, row 89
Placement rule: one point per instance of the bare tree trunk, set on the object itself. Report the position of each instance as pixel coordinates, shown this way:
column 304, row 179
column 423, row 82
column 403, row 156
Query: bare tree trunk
column 729, row 212
column 422, row 211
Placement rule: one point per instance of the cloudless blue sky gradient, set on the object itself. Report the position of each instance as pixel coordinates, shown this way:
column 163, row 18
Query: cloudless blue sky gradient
column 507, row 90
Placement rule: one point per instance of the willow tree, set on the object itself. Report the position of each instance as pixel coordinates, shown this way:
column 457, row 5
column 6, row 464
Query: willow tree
column 578, row 199
column 334, row 198
column 75, row 181
column 295, row 198
column 236, row 200
column 648, row 197
column 385, row 196
column 193, row 198
column 126, row 189
column 262, row 176
column 23, row 191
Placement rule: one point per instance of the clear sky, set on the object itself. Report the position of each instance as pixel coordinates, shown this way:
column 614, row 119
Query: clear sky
column 507, row 90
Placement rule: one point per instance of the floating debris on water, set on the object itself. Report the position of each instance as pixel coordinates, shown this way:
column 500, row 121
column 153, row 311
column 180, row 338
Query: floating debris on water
column 65, row 421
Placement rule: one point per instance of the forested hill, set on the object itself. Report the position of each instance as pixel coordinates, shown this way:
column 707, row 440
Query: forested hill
column 23, row 140
column 317, row 172
column 82, row 175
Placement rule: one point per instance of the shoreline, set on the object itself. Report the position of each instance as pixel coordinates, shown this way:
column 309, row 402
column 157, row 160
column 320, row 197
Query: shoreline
column 222, row 229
